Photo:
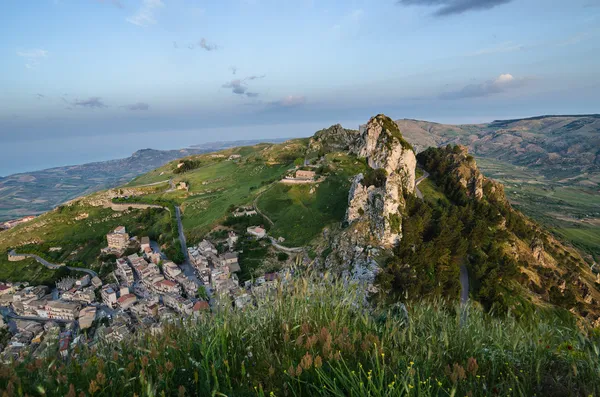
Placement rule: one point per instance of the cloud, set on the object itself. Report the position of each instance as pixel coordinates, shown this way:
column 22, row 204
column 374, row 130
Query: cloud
column 290, row 101
column 204, row 45
column 145, row 14
column 32, row 57
column 240, row 86
column 501, row 84
column 450, row 7
column 137, row 106
column 91, row 103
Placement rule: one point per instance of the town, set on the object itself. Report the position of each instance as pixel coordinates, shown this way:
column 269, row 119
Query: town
column 145, row 291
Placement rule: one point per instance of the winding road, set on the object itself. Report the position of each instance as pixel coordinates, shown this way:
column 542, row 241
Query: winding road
column 419, row 180
column 53, row 266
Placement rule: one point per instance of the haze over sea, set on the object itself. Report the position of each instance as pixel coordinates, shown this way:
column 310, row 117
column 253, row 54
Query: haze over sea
column 37, row 154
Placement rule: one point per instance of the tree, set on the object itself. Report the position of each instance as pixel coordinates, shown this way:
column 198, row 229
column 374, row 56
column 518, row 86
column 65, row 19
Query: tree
column 282, row 256
column 299, row 162
column 201, row 293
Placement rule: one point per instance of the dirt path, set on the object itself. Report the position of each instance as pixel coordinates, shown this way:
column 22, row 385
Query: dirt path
column 255, row 204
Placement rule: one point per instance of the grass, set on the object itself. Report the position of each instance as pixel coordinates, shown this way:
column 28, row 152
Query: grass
column 431, row 192
column 299, row 215
column 80, row 240
column 319, row 337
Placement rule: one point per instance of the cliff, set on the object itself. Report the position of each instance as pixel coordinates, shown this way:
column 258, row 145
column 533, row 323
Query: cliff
column 376, row 200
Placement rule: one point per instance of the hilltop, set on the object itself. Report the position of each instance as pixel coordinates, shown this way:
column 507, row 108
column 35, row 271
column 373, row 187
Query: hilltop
column 552, row 160
column 33, row 193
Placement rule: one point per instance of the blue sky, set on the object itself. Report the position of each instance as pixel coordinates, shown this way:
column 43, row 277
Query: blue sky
column 166, row 73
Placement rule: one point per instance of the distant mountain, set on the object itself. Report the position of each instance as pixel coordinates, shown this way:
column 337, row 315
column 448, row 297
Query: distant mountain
column 550, row 166
column 35, row 192
column 555, row 146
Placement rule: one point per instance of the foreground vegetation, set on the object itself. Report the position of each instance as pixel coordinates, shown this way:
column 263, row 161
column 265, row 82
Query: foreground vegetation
column 319, row 337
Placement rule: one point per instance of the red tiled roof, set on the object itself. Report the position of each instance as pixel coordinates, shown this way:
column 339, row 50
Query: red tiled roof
column 123, row 298
column 201, row 305
column 167, row 282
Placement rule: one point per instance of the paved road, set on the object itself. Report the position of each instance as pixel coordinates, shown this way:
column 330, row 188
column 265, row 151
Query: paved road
column 181, row 234
column 283, row 248
column 54, row 266
column 44, row 319
column 419, row 180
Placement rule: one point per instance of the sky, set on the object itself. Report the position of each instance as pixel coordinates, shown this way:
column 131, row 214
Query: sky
column 89, row 80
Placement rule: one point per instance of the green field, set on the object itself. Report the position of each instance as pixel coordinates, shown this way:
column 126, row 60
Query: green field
column 299, row 212
column 299, row 215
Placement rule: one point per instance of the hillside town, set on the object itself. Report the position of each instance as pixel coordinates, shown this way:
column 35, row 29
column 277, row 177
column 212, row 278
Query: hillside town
column 145, row 291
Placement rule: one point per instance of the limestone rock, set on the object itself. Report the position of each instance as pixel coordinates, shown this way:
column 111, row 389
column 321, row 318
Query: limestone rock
column 376, row 211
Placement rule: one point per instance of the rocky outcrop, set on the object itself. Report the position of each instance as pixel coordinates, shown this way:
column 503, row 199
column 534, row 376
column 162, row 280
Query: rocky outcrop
column 334, row 138
column 377, row 209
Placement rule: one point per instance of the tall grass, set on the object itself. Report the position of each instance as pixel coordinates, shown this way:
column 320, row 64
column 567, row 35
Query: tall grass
column 319, row 337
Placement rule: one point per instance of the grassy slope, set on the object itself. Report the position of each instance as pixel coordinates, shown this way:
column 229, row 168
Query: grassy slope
column 318, row 338
column 299, row 215
column 570, row 211
column 80, row 240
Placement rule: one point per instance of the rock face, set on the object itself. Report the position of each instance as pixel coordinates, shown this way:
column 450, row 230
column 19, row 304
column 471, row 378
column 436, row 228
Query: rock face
column 333, row 138
column 378, row 208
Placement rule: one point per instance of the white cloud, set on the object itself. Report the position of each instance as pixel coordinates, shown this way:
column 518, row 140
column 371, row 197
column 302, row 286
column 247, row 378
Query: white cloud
column 32, row 57
column 291, row 100
column 145, row 14
column 498, row 85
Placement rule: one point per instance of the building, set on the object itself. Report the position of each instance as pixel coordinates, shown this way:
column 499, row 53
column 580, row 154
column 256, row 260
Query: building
column 167, row 287
column 109, row 296
column 309, row 175
column 118, row 239
column 183, row 186
column 145, row 243
column 87, row 315
column 86, row 296
column 124, row 290
column 83, row 281
column 63, row 310
column 257, row 231
column 29, row 293
column 206, row 247
column 124, row 271
column 6, row 289
column 96, row 282
column 125, row 301
column 178, row 303
column 200, row 307
column 234, row 157
column 171, row 270
column 230, row 259
column 232, row 238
